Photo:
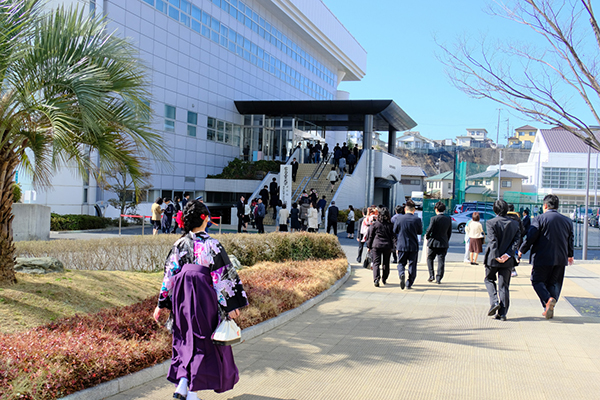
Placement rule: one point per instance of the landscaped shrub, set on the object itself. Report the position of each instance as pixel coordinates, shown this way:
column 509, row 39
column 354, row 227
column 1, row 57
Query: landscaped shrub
column 75, row 222
column 75, row 353
column 148, row 253
column 238, row 169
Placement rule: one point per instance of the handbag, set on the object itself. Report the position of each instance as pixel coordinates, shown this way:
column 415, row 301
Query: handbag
column 227, row 333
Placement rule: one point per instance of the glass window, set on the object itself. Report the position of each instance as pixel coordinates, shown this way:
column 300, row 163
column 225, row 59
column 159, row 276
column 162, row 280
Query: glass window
column 205, row 31
column 211, row 123
column 192, row 118
column 196, row 25
column 233, row 12
column 214, row 37
column 175, row 3
column 169, row 125
column 210, row 134
column 170, row 112
column 185, row 19
column 217, row 2
column 205, row 18
column 174, row 13
column 185, row 7
column 196, row 13
column 215, row 25
column 161, row 6
column 191, row 130
column 151, row 2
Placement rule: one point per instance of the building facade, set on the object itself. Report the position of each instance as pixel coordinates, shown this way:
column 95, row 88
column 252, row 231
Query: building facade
column 202, row 56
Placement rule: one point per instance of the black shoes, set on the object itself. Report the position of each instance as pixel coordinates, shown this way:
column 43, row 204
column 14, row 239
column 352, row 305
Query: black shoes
column 494, row 309
column 402, row 282
column 384, row 281
column 501, row 317
column 179, row 396
column 431, row 279
column 438, row 281
column 376, row 283
column 358, row 260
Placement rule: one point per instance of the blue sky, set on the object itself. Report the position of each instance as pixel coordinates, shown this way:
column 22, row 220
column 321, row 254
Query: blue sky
column 398, row 36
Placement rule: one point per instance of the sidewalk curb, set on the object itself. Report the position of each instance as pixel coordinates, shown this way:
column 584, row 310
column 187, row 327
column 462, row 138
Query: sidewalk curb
column 130, row 381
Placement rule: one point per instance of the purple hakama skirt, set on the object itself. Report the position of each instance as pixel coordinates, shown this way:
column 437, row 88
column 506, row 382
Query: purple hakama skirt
column 207, row 366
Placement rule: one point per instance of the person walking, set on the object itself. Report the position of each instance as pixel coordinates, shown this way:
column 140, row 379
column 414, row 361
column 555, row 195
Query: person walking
column 177, row 206
column 294, row 218
column 550, row 239
column 156, row 215
column 284, row 215
column 201, row 288
column 304, row 207
column 351, row 161
column 294, row 169
column 274, row 196
column 438, row 237
column 503, row 238
column 167, row 216
column 325, row 152
column 264, row 195
column 241, row 209
column 332, row 177
column 370, row 215
column 359, row 235
column 321, row 204
column 342, row 167
column 350, row 223
column 398, row 210
column 313, row 219
column 512, row 214
column 408, row 227
column 474, row 230
column 332, row 218
column 526, row 221
column 381, row 243
column 259, row 215
column 247, row 216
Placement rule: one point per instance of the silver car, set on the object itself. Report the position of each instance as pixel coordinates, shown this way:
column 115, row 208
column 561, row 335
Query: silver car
column 459, row 221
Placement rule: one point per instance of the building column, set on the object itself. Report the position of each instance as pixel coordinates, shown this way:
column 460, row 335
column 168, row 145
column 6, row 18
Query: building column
column 370, row 161
column 392, row 141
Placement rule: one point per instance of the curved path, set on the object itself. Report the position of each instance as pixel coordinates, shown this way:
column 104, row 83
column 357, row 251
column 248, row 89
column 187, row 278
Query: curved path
column 432, row 342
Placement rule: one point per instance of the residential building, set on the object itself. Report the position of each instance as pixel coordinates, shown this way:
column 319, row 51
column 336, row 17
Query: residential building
column 440, row 186
column 509, row 181
column 413, row 179
column 207, row 60
column 414, row 141
column 526, row 135
column 475, row 138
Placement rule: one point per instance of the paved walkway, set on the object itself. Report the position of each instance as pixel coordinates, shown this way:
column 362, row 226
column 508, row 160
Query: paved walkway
column 432, row 342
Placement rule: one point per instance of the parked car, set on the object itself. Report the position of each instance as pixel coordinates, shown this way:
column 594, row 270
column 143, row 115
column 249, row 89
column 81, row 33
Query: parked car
column 459, row 221
column 476, row 206
column 578, row 215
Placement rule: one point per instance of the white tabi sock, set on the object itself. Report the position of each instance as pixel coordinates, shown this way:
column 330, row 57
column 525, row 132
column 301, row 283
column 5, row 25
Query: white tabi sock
column 192, row 396
column 182, row 388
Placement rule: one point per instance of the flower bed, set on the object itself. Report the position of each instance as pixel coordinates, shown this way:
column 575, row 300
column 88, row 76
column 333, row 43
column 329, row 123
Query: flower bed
column 75, row 353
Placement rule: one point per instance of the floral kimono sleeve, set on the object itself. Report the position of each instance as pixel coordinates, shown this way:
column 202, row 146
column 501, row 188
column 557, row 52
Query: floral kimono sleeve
column 179, row 255
column 227, row 283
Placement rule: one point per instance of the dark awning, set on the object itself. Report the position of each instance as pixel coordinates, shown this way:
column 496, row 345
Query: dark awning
column 334, row 114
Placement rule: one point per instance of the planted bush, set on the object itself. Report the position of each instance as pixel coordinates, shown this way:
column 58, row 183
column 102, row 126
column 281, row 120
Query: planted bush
column 74, row 222
column 148, row 253
column 75, row 353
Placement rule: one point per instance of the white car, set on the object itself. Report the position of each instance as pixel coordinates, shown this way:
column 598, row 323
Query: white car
column 459, row 221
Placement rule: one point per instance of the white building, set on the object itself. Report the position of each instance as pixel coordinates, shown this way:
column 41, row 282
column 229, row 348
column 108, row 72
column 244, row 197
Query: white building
column 557, row 164
column 202, row 57
column 414, row 141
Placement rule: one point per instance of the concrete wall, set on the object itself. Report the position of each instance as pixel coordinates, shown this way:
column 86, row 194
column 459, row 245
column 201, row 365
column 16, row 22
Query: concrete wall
column 31, row 222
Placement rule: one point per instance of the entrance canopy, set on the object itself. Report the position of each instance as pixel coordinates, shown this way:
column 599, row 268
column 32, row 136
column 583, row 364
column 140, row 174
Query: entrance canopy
column 342, row 115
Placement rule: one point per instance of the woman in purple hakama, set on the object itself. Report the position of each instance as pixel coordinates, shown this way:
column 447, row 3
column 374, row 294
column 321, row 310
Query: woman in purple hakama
column 201, row 288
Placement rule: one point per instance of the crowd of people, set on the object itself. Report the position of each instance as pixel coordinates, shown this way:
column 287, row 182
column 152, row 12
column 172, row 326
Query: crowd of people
column 549, row 237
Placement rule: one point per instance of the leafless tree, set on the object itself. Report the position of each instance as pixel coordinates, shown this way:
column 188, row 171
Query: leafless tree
column 130, row 192
column 546, row 80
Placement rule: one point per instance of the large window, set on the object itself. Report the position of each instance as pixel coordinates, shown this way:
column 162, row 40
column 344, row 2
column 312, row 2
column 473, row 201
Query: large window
column 223, row 132
column 563, row 178
column 170, row 115
column 192, row 120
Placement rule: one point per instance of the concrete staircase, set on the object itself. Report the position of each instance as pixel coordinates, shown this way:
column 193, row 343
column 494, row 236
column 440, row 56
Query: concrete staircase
column 319, row 183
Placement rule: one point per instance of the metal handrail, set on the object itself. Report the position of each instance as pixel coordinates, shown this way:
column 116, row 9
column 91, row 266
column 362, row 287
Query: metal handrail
column 299, row 186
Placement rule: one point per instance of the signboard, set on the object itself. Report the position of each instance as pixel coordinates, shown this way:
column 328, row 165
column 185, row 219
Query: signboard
column 285, row 185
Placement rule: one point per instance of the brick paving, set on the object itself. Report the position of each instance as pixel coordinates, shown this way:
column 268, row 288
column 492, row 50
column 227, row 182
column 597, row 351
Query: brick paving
column 432, row 342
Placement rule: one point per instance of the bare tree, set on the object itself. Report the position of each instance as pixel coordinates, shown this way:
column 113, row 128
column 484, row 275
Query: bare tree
column 546, row 82
column 129, row 191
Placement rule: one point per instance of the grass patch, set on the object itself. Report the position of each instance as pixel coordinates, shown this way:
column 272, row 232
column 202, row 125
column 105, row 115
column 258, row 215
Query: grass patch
column 40, row 299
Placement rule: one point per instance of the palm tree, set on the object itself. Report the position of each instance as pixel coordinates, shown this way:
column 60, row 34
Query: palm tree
column 70, row 94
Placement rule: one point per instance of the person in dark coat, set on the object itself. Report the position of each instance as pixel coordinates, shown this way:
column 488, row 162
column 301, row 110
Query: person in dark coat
column 264, row 195
column 167, row 217
column 550, row 239
column 241, row 208
column 408, row 227
column 512, row 214
column 345, row 150
column 321, row 204
column 526, row 221
column 351, row 161
column 381, row 243
column 186, row 198
column 259, row 215
column 337, row 154
column 325, row 152
column 313, row 196
column 295, row 166
column 332, row 218
column 503, row 235
column 274, row 196
column 295, row 218
column 438, row 237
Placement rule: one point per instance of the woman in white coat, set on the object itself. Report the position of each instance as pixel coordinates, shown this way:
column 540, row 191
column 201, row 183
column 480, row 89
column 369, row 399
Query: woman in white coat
column 313, row 219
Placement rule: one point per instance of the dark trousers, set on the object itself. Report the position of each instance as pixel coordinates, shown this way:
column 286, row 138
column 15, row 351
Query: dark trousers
column 166, row 223
column 432, row 252
column 381, row 257
column 294, row 176
column 547, row 281
column 240, row 223
column 331, row 224
column 498, row 294
column 411, row 258
column 259, row 224
column 361, row 244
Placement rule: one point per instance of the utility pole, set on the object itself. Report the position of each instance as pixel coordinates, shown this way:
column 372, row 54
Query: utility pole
column 498, row 128
column 584, row 250
column 499, row 169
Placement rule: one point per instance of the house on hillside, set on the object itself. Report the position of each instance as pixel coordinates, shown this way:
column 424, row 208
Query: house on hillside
column 475, row 138
column 523, row 137
column 413, row 179
column 414, row 141
column 440, row 186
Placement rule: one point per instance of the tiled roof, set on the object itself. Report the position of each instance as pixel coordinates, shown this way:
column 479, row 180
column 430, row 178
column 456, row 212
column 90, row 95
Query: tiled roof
column 526, row 128
column 412, row 170
column 563, row 141
column 442, row 177
column 475, row 189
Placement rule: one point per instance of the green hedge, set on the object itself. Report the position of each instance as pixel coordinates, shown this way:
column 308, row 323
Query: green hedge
column 238, row 169
column 74, row 222
column 343, row 215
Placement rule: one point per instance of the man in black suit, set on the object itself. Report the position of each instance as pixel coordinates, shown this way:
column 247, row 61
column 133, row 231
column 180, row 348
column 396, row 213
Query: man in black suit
column 408, row 227
column 241, row 207
column 294, row 169
column 332, row 218
column 503, row 235
column 526, row 220
column 550, row 239
column 438, row 235
column 264, row 195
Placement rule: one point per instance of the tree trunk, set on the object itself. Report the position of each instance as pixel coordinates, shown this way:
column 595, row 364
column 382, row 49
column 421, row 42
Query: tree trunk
column 8, row 163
